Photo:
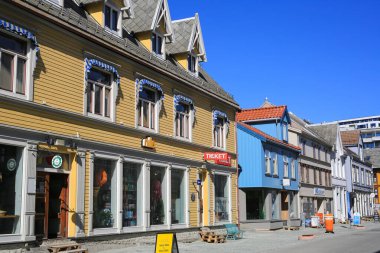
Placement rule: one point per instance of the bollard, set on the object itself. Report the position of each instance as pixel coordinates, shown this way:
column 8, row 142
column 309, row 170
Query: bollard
column 329, row 223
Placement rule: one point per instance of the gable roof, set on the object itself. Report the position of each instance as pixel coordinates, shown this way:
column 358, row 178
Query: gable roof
column 147, row 15
column 350, row 138
column 372, row 155
column 269, row 138
column 328, row 131
column 274, row 112
column 188, row 34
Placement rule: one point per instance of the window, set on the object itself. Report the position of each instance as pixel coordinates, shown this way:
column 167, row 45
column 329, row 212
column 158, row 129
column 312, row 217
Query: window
column 104, row 193
column 315, row 176
column 307, row 174
column 267, row 162
column 362, row 176
column 132, row 195
column 182, row 121
column 13, row 65
column 275, row 164
column 373, row 125
column 303, row 148
column 157, row 44
column 111, row 18
column 221, row 188
column 146, row 109
column 158, row 193
column 320, row 177
column 293, row 168
column 178, row 192
column 219, row 132
column 314, row 154
column 319, row 153
column 11, row 174
column 285, row 132
column 327, row 178
column 286, row 166
column 99, row 93
column 192, row 63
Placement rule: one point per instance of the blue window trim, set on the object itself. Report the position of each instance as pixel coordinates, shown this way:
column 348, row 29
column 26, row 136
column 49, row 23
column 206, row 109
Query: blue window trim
column 94, row 62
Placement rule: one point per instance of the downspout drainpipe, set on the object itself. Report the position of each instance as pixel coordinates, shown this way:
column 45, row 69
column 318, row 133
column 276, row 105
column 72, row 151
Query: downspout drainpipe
column 237, row 176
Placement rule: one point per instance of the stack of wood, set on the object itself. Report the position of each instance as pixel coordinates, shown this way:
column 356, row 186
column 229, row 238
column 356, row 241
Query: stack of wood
column 210, row 236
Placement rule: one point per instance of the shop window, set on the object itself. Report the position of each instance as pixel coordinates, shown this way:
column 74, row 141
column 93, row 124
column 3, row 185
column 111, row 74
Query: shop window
column 178, row 192
column 99, row 93
column 13, row 65
column 275, row 206
column 146, row 109
column 221, row 198
column 132, row 195
column 182, row 121
column 219, row 132
column 293, row 212
column 11, row 170
column 104, row 193
column 157, row 196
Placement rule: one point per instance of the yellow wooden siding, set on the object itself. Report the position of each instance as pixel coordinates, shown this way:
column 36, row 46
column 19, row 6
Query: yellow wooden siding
column 59, row 83
column 145, row 39
column 234, row 202
column 212, row 198
column 96, row 11
column 182, row 60
column 193, row 205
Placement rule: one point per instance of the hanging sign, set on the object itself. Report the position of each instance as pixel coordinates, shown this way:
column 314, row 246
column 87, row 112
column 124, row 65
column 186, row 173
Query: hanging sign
column 166, row 243
column 56, row 161
column 226, row 162
column 11, row 164
column 221, row 158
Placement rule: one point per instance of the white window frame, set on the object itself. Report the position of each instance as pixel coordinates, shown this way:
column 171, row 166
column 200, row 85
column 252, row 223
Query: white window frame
column 285, row 131
column 222, row 135
column 28, row 65
column 190, row 124
column 195, row 72
column 158, row 34
column 293, row 168
column 267, row 162
column 113, row 93
column 112, row 7
column 139, row 109
column 275, row 164
column 184, row 169
column 286, row 166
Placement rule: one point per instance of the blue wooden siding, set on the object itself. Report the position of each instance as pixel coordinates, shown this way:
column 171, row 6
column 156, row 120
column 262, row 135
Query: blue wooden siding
column 272, row 128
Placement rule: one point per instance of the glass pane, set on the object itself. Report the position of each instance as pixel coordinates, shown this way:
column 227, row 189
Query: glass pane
column 157, row 196
column 159, row 45
column 107, row 101
column 104, row 193
column 6, row 72
column 177, row 130
column 99, row 76
column 152, row 116
column 145, row 114
column 114, row 20
column 178, row 196
column 107, row 17
column 149, row 95
column 21, row 76
column 90, row 90
column 132, row 195
column 221, row 198
column 139, row 113
column 154, row 43
column 98, row 99
column 10, row 189
column 12, row 44
column 181, row 125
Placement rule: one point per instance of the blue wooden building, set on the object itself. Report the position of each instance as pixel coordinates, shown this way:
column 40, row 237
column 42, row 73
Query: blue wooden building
column 269, row 179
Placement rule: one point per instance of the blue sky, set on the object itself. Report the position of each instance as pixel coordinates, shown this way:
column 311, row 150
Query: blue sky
column 319, row 57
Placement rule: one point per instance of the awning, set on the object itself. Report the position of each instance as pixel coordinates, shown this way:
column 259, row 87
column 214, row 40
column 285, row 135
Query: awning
column 22, row 32
column 93, row 62
column 218, row 114
column 145, row 82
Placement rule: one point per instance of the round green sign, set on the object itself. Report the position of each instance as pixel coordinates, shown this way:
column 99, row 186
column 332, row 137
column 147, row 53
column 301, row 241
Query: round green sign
column 11, row 164
column 56, row 161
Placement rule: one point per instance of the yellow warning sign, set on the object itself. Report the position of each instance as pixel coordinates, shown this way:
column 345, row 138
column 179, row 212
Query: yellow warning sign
column 166, row 243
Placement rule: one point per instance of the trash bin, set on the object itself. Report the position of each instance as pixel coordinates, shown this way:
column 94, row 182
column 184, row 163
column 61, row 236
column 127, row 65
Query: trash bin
column 314, row 221
column 356, row 219
column 329, row 223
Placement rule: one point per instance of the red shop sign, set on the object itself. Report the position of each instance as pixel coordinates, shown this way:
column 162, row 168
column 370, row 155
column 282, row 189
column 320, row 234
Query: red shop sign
column 220, row 158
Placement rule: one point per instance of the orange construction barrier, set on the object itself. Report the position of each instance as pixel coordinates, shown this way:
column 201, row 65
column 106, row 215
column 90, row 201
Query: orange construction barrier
column 329, row 223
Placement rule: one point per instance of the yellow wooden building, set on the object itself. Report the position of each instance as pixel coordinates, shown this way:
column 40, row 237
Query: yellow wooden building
column 105, row 116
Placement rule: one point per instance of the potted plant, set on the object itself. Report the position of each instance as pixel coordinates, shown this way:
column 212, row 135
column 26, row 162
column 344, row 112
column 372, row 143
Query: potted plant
column 105, row 217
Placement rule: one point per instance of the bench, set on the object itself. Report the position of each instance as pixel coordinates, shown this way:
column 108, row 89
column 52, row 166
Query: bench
column 233, row 232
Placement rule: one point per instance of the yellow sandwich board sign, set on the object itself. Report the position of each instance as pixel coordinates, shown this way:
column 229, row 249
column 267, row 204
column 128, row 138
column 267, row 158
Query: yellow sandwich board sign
column 166, row 243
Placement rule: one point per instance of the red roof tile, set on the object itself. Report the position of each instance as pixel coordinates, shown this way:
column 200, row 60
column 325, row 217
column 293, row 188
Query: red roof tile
column 268, row 137
column 350, row 138
column 274, row 112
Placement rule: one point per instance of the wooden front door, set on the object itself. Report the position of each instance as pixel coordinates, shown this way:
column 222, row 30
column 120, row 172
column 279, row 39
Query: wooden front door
column 284, row 206
column 63, row 214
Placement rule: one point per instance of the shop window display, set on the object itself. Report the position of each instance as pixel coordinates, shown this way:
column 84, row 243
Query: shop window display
column 221, row 198
column 132, row 195
column 157, row 196
column 11, row 170
column 104, row 193
column 178, row 196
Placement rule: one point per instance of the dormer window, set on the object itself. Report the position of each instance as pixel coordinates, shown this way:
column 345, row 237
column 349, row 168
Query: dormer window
column 192, row 63
column 157, row 44
column 111, row 19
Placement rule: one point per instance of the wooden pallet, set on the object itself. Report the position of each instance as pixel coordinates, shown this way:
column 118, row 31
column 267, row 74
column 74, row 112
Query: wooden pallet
column 211, row 237
column 291, row 228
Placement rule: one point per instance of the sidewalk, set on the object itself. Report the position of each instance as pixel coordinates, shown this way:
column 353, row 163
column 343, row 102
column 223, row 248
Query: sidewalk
column 257, row 241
